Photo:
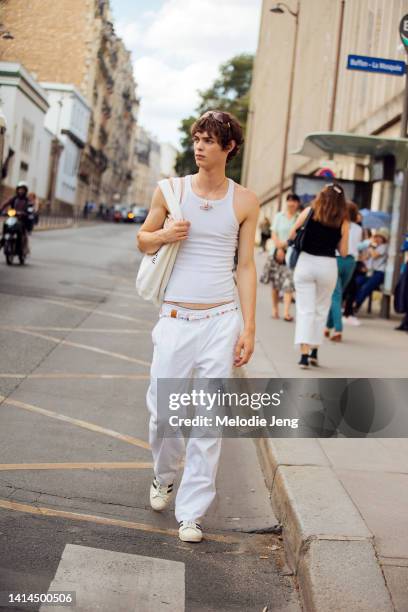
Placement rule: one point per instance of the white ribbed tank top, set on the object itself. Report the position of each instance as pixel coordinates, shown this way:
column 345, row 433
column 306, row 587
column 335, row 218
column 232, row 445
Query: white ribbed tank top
column 202, row 272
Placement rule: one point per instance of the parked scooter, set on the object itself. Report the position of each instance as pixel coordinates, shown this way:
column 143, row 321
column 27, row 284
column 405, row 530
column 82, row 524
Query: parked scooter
column 14, row 240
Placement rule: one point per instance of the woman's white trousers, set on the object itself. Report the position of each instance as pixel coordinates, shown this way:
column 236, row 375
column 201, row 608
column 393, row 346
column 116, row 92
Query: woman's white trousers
column 315, row 279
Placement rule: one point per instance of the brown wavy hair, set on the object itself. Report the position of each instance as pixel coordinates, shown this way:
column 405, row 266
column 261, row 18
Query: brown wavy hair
column 224, row 127
column 353, row 211
column 330, row 206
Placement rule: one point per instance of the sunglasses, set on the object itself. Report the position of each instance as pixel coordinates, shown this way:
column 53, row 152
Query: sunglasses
column 335, row 187
column 219, row 117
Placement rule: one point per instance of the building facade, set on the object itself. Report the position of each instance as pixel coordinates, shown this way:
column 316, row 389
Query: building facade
column 123, row 108
column 68, row 120
column 146, row 168
column 365, row 103
column 168, row 157
column 73, row 42
column 27, row 142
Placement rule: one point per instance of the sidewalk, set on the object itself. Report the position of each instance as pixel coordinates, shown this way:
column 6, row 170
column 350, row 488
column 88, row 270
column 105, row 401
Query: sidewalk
column 342, row 502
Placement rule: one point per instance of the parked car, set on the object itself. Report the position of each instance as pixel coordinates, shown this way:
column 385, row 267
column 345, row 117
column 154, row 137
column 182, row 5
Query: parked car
column 120, row 213
column 139, row 214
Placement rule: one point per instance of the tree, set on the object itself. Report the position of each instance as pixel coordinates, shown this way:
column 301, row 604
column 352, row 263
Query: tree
column 229, row 92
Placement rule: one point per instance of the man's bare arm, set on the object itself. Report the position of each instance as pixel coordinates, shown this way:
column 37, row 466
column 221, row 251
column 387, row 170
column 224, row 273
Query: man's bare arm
column 152, row 235
column 246, row 280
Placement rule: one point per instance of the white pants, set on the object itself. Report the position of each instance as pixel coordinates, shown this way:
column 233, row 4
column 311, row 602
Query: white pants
column 315, row 279
column 207, row 347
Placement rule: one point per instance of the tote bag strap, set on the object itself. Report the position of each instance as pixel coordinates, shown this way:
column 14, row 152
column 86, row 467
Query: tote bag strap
column 172, row 197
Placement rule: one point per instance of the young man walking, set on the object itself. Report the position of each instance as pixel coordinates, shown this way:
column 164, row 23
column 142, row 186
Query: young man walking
column 199, row 326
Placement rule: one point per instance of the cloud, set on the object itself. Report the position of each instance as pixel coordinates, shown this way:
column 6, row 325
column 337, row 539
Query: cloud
column 177, row 50
column 169, row 94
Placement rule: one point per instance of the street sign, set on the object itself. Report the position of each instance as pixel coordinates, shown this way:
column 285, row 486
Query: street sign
column 376, row 64
column 403, row 30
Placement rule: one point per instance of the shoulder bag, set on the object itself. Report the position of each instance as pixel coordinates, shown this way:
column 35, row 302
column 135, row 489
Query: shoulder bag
column 296, row 245
column 155, row 270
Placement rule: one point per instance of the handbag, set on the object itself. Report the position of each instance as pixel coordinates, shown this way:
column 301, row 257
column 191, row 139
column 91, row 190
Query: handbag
column 155, row 270
column 295, row 246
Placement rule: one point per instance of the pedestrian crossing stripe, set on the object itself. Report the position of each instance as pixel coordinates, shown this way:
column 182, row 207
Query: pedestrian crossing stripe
column 106, row 580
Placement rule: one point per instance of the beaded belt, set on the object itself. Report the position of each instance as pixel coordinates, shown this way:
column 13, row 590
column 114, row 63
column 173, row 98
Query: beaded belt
column 179, row 314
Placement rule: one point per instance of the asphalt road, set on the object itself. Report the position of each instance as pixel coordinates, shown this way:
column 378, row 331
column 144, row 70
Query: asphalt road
column 75, row 466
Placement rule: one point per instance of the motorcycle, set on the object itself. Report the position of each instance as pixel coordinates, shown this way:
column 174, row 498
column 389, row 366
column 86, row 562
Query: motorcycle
column 14, row 243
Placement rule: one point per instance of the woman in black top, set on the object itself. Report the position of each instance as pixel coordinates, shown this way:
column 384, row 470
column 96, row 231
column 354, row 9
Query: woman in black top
column 316, row 270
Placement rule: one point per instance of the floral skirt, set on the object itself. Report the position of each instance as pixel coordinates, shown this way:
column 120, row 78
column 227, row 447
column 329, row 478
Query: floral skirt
column 279, row 275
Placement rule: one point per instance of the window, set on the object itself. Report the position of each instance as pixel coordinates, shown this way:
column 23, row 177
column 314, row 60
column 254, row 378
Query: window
column 27, row 137
column 23, row 171
column 71, row 162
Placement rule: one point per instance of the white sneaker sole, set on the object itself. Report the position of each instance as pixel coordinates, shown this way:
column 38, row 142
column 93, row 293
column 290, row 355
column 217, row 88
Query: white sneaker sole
column 190, row 535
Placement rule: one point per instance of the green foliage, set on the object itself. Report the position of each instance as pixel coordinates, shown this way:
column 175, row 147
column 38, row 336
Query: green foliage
column 230, row 93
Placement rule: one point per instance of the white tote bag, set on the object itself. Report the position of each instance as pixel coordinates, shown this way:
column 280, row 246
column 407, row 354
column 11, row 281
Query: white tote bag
column 155, row 270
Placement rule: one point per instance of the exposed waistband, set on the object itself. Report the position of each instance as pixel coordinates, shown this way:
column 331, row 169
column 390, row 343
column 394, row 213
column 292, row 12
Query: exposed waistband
column 190, row 314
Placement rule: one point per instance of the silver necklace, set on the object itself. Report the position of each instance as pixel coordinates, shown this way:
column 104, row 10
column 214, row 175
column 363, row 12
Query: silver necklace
column 206, row 205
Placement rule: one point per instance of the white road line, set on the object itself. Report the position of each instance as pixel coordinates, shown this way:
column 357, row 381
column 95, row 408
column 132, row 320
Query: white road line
column 113, row 293
column 102, row 313
column 77, row 422
column 79, row 330
column 109, row 581
column 67, row 376
column 85, row 347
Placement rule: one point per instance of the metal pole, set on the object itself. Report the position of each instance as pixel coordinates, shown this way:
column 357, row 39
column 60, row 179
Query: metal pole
column 336, row 69
column 288, row 114
column 403, row 211
column 402, row 215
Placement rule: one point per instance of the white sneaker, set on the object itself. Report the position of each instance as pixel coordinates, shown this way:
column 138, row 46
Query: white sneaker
column 351, row 321
column 189, row 531
column 160, row 495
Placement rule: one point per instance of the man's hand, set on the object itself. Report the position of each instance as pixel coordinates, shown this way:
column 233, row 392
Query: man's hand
column 174, row 231
column 244, row 348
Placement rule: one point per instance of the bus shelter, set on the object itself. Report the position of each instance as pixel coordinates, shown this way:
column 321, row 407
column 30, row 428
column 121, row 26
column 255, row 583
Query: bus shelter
column 388, row 160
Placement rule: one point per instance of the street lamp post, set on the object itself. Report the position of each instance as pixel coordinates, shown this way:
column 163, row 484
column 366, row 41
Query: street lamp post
column 280, row 8
column 336, row 69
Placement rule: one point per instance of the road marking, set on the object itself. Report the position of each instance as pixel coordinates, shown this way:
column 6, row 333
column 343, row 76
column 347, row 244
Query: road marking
column 76, row 301
column 112, row 315
column 85, row 347
column 62, row 376
column 99, row 330
column 123, row 279
column 48, row 264
column 118, row 465
column 77, row 422
column 113, row 293
column 107, row 581
column 102, row 520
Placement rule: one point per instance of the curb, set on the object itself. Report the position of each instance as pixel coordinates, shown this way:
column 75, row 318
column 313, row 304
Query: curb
column 328, row 545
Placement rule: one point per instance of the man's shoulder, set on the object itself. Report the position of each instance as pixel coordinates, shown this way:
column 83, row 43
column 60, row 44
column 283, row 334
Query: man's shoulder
column 245, row 196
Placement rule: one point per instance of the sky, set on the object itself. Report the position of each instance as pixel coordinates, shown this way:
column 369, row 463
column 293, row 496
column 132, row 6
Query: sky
column 177, row 47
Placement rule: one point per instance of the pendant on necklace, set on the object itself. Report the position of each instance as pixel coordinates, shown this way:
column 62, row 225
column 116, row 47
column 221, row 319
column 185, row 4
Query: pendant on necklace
column 206, row 206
